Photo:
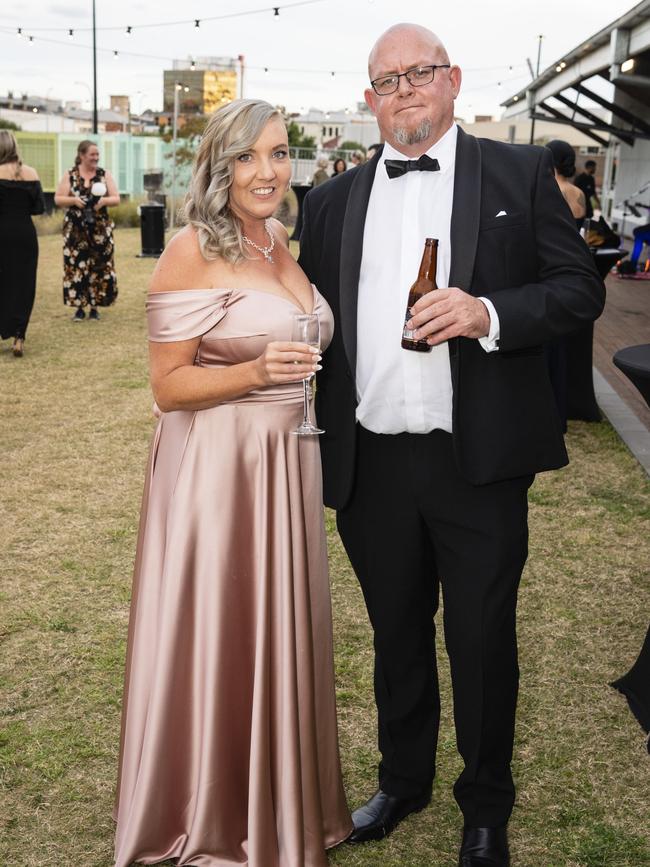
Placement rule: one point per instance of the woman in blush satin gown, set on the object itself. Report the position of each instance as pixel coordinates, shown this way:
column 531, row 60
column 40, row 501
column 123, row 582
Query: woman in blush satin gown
column 229, row 752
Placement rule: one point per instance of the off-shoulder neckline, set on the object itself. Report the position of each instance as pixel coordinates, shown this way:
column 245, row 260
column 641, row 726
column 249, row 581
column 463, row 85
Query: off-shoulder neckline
column 239, row 289
column 21, row 180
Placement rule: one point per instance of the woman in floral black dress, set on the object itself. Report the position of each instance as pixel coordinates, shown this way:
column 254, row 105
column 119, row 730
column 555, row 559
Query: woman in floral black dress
column 88, row 269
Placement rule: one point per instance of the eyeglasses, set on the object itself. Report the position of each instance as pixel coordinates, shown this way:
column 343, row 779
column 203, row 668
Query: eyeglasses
column 417, row 76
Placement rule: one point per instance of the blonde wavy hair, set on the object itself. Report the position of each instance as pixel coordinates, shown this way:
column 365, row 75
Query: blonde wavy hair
column 231, row 132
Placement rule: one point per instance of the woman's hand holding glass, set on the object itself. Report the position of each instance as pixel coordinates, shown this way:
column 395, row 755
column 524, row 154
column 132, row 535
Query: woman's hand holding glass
column 306, row 327
column 283, row 362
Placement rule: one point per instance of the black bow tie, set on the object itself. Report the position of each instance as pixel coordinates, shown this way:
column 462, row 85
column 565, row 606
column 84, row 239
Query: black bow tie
column 397, row 168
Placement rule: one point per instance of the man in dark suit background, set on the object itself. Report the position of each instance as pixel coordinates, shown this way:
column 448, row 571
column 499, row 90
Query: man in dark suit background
column 427, row 457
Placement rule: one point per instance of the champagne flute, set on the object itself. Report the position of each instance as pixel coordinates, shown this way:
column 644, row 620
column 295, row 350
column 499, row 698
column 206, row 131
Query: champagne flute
column 306, row 329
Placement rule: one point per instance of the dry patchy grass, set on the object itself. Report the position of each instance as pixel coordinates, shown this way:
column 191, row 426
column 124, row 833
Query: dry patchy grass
column 75, row 422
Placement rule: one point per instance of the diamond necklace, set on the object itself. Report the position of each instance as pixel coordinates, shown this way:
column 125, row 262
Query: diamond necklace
column 265, row 251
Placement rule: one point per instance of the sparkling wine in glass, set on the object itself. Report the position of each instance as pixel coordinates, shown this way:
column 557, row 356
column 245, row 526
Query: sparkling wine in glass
column 306, row 329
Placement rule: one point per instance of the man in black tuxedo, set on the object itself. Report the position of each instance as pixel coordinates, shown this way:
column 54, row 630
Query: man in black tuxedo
column 427, row 457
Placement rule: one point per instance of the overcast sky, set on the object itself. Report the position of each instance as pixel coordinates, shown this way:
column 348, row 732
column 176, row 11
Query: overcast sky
column 300, row 47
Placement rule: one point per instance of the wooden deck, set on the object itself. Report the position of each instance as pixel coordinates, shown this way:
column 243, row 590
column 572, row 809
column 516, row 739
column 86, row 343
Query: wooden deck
column 624, row 322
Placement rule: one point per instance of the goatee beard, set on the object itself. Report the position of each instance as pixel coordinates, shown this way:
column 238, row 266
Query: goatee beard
column 413, row 136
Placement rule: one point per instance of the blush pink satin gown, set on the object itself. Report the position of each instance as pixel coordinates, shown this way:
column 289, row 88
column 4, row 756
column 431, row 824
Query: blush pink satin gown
column 229, row 751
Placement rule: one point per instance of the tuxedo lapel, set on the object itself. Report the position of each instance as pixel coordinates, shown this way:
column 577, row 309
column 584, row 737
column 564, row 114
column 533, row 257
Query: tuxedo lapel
column 351, row 251
column 466, row 210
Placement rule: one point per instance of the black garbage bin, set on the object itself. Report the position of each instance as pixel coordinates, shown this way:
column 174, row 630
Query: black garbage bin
column 152, row 228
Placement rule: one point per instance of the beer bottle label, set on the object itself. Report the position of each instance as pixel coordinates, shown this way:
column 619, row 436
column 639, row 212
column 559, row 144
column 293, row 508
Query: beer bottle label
column 407, row 334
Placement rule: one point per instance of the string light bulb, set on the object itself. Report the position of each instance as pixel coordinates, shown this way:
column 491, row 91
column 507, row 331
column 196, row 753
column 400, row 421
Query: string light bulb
column 20, row 31
column 192, row 65
column 276, row 11
column 266, row 70
column 70, row 33
column 128, row 30
column 197, row 23
column 31, row 40
column 115, row 55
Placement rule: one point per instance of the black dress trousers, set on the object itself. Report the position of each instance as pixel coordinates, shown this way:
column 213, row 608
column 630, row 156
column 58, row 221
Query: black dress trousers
column 413, row 525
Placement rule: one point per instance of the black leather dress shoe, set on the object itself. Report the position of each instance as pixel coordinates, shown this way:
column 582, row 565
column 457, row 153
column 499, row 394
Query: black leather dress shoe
column 484, row 847
column 379, row 816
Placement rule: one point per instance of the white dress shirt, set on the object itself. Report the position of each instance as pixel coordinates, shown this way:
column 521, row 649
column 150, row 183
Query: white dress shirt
column 401, row 391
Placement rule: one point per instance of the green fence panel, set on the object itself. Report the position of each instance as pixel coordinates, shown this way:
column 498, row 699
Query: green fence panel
column 39, row 149
column 107, row 154
column 125, row 156
column 137, row 167
column 122, row 177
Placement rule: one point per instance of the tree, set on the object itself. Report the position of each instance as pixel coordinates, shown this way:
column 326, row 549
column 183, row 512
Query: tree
column 7, row 124
column 352, row 146
column 192, row 128
column 349, row 146
column 298, row 140
column 187, row 139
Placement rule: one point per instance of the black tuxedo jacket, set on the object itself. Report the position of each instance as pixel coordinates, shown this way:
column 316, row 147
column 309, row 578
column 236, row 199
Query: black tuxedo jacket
column 531, row 264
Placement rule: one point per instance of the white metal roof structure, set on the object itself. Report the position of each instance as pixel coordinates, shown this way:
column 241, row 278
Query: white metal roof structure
column 618, row 54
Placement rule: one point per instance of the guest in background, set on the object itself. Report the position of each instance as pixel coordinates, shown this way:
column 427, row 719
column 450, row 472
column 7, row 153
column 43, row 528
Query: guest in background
column 320, row 175
column 564, row 163
column 21, row 196
column 372, row 150
column 339, row 166
column 641, row 236
column 586, row 181
column 357, row 158
column 87, row 191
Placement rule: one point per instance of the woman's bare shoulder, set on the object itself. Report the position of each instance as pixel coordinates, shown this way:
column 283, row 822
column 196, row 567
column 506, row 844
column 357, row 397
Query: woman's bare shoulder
column 182, row 265
column 64, row 182
column 28, row 173
column 177, row 263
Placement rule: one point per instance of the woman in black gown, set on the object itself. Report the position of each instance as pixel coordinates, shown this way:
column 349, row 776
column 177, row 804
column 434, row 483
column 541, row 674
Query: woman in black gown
column 21, row 196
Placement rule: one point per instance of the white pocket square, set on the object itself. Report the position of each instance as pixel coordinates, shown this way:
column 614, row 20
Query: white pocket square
column 501, row 214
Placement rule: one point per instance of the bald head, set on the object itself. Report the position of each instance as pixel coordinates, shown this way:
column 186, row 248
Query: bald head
column 401, row 36
column 415, row 103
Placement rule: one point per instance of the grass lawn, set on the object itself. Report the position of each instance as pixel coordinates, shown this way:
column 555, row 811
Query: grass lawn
column 75, row 423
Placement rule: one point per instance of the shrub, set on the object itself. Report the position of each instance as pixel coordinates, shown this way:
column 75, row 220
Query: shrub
column 125, row 215
column 49, row 224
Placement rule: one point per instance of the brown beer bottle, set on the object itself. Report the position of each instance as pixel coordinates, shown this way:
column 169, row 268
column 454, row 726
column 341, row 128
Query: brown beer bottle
column 426, row 282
